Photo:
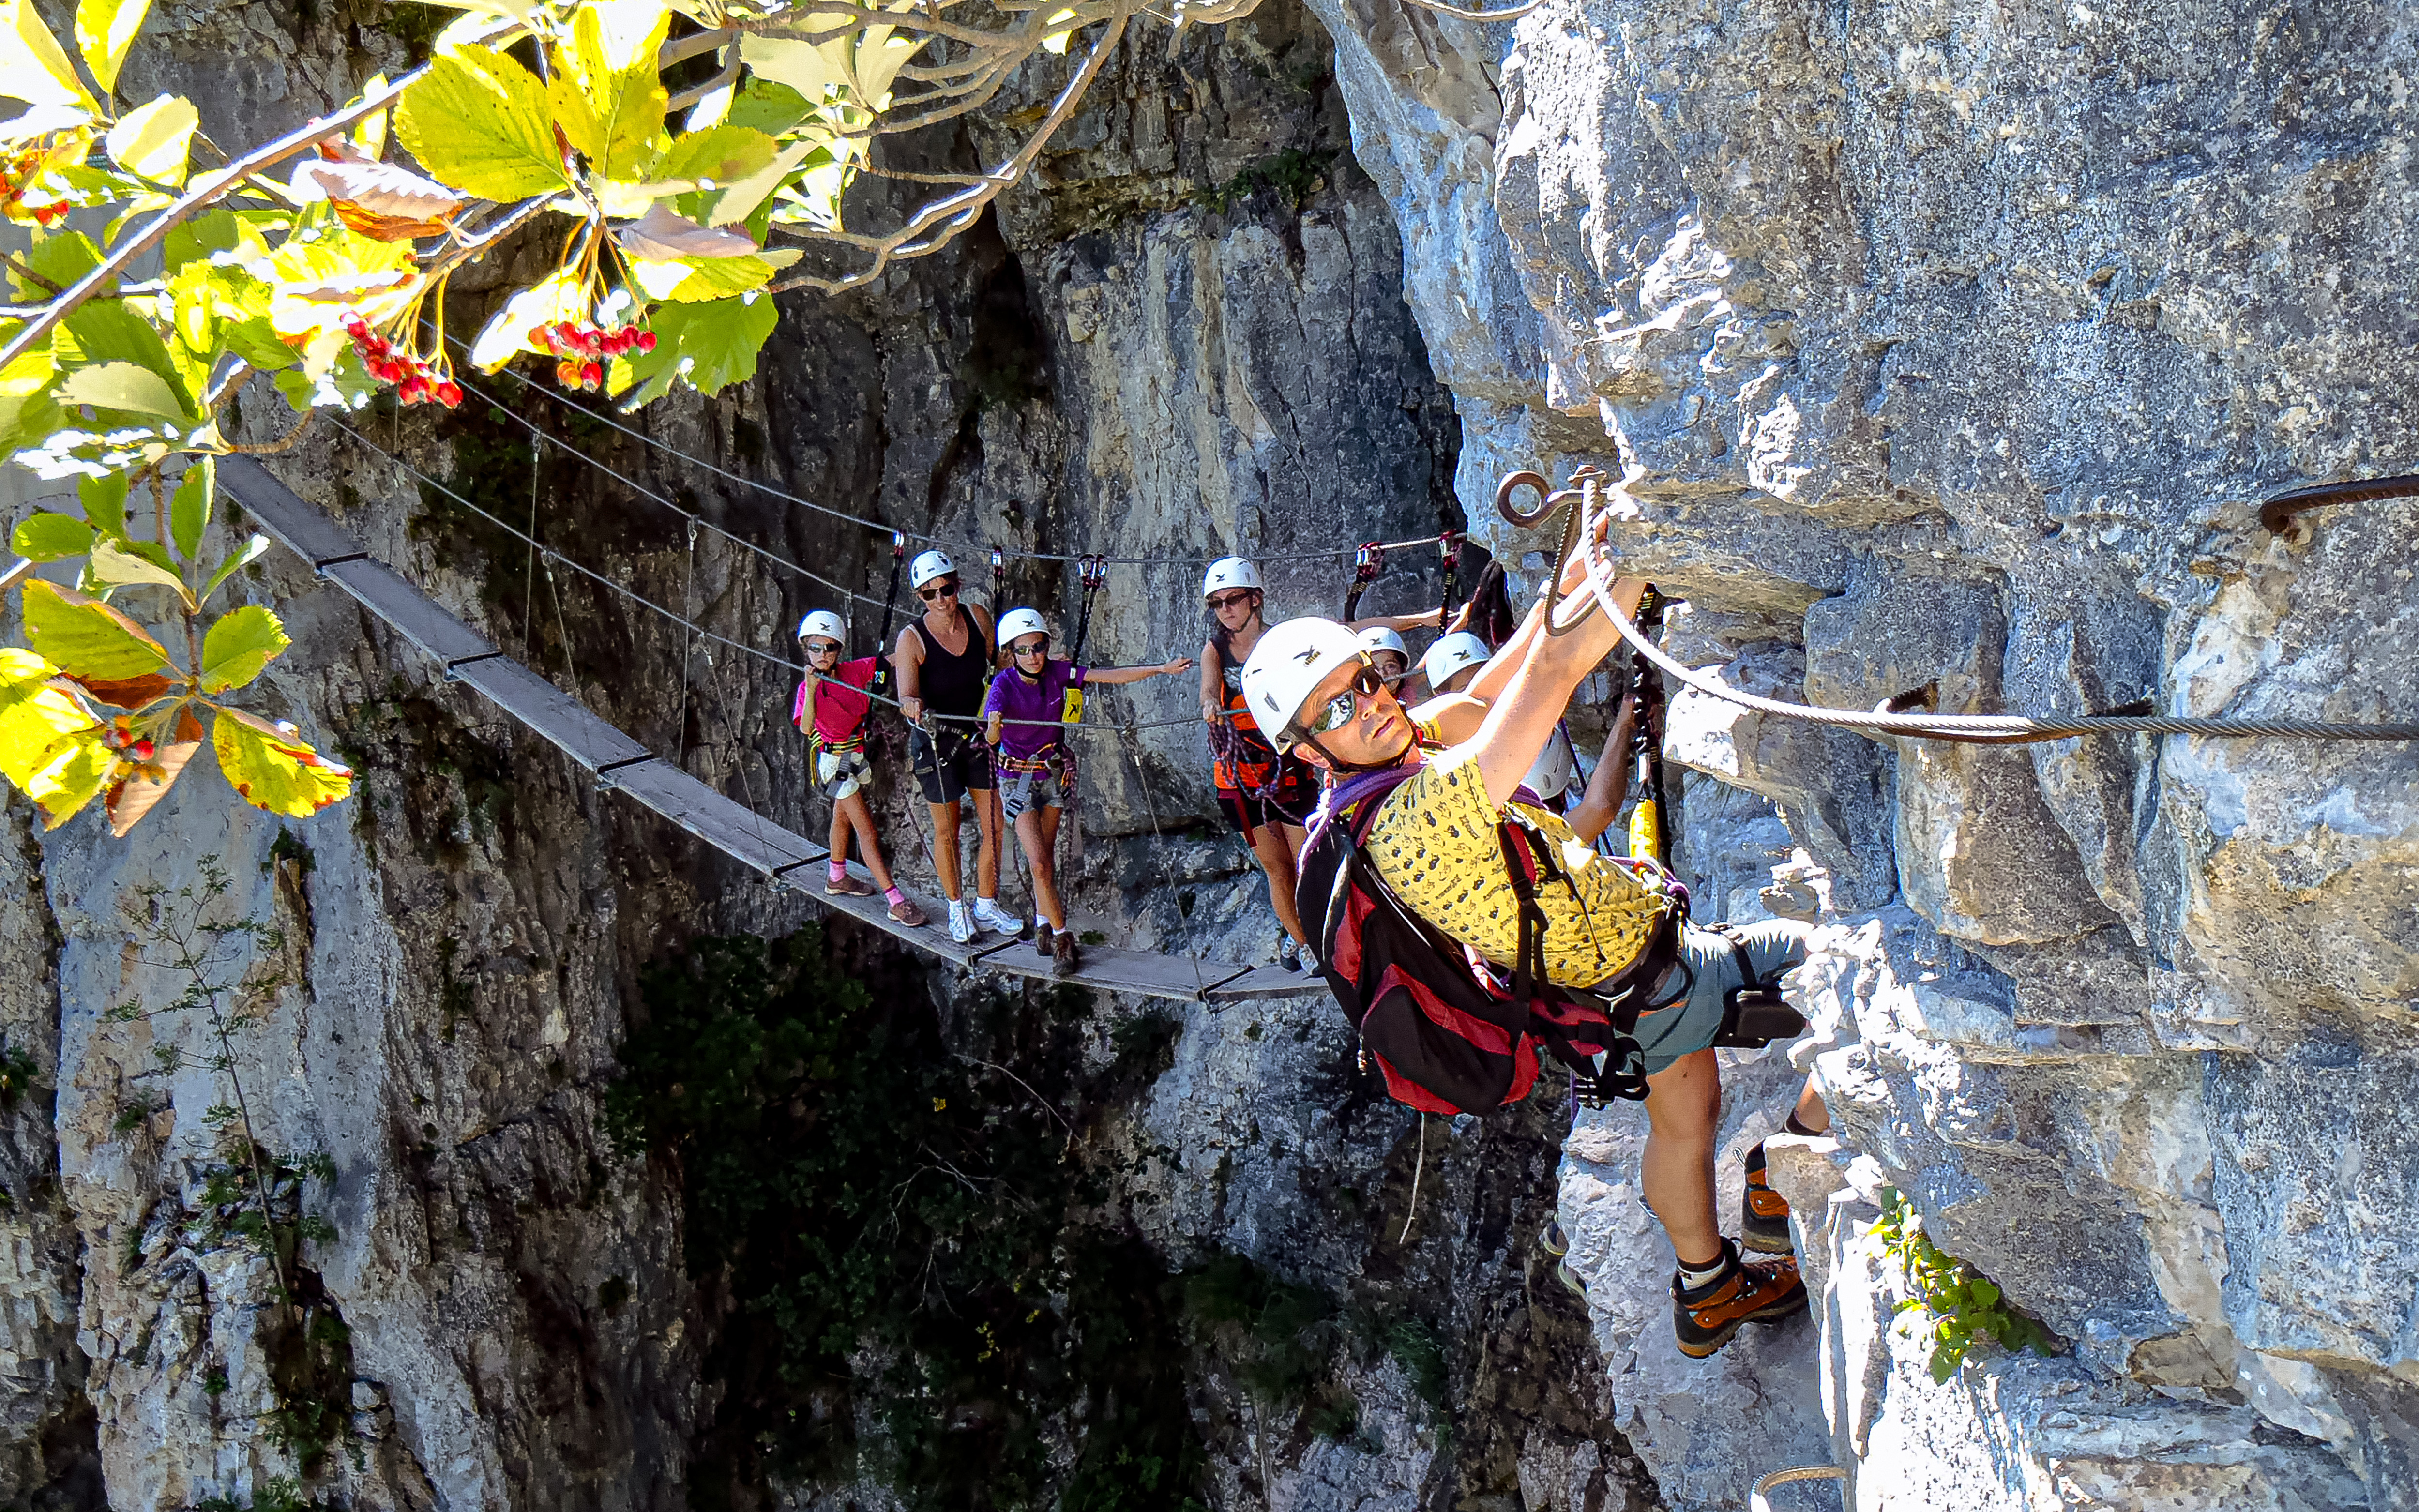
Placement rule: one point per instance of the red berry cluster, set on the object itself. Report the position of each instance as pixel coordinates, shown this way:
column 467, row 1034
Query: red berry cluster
column 581, row 346
column 415, row 380
column 130, row 745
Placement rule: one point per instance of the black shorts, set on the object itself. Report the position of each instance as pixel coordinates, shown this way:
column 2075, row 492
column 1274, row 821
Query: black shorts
column 1290, row 803
column 962, row 765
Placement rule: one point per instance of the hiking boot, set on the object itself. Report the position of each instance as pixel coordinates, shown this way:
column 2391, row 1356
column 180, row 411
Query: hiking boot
column 1288, row 953
column 845, row 886
column 1704, row 1318
column 991, row 916
column 905, row 912
column 961, row 923
column 1568, row 1278
column 1042, row 943
column 1553, row 1240
column 1763, row 1214
column 1064, row 958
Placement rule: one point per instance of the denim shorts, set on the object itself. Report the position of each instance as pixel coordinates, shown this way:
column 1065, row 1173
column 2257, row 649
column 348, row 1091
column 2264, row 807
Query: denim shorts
column 1709, row 970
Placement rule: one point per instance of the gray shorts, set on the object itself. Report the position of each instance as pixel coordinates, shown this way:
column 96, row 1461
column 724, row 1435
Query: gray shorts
column 842, row 773
column 1020, row 790
column 1690, row 1024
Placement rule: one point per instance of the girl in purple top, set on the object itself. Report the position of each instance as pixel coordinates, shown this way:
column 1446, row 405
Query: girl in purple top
column 1033, row 791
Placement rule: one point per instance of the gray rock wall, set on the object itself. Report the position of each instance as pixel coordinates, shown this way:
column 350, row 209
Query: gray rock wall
column 1950, row 349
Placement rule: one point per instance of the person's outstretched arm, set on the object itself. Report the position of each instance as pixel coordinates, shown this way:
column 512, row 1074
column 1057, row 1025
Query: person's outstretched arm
column 1609, row 784
column 1111, row 676
column 1424, row 620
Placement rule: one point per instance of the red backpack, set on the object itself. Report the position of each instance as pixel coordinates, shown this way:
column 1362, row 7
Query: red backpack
column 1451, row 1038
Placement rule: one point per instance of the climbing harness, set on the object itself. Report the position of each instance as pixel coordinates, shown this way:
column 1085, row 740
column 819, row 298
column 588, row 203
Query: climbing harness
column 1367, row 564
column 1646, row 777
column 998, row 581
column 1092, row 572
column 1599, row 575
column 1449, row 548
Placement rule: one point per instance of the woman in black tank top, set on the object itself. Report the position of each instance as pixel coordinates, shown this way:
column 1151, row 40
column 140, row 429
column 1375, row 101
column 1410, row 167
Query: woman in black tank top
column 954, row 683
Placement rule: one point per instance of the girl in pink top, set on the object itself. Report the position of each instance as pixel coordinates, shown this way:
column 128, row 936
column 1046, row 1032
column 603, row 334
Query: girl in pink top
column 830, row 711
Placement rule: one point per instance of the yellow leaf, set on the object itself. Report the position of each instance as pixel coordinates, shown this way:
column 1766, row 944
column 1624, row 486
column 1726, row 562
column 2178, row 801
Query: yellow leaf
column 87, row 637
column 32, row 66
column 155, row 141
column 612, row 60
column 51, row 745
column 810, row 69
column 694, row 279
column 479, row 121
column 559, row 296
column 123, row 568
column 272, row 768
column 104, row 29
column 741, row 200
column 240, row 647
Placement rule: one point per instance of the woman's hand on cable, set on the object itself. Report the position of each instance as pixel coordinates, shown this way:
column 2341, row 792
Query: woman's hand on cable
column 1181, row 665
column 1209, row 713
column 912, row 707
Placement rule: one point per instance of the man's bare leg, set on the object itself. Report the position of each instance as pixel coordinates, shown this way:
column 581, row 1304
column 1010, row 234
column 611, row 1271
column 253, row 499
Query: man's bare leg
column 1683, row 1103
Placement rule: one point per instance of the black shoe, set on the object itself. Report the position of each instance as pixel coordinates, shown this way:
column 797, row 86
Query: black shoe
column 1065, row 960
column 1763, row 1214
column 1704, row 1318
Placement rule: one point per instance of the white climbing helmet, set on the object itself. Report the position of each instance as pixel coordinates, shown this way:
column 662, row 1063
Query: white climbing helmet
column 1449, row 654
column 1377, row 638
column 1229, row 573
column 1017, row 623
column 930, row 565
column 824, row 622
column 1288, row 666
column 1550, row 774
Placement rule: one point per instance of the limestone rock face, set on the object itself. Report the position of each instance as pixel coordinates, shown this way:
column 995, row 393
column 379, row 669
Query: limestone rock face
column 1945, row 355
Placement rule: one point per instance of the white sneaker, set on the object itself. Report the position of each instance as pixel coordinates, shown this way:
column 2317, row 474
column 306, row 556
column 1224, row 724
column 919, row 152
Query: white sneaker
column 961, row 923
column 990, row 915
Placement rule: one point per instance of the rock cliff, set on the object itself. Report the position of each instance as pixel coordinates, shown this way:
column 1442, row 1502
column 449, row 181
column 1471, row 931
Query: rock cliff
column 1941, row 349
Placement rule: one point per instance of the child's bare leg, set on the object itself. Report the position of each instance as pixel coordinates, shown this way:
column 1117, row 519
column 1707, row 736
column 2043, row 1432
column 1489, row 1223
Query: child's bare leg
column 859, row 816
column 1037, row 830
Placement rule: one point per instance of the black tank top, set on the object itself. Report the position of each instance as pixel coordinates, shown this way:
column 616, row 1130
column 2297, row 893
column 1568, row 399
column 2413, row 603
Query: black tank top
column 954, row 683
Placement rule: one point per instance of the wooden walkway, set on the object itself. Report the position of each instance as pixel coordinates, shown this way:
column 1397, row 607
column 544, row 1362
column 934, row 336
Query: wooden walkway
column 622, row 765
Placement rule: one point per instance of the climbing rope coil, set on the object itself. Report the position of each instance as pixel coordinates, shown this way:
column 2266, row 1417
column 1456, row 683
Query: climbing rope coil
column 1587, row 518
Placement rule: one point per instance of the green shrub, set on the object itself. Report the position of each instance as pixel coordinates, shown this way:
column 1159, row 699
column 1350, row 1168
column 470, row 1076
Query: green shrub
column 1962, row 1304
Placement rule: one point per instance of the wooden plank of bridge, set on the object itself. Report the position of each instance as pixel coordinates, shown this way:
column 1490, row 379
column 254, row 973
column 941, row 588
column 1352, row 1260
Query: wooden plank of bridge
column 1267, row 981
column 283, row 518
column 552, row 713
column 728, row 827
column 384, row 593
column 1113, row 970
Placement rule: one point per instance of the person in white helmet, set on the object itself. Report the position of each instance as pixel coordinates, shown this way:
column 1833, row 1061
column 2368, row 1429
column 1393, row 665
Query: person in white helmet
column 830, row 710
column 1450, row 664
column 1036, row 778
column 944, row 661
column 1433, row 838
column 1388, row 654
column 1265, row 795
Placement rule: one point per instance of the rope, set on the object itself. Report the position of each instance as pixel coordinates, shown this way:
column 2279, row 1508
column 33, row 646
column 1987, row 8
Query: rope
column 552, row 556
column 878, row 527
column 1966, row 729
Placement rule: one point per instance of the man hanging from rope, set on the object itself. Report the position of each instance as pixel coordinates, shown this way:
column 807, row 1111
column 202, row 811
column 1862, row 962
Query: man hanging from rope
column 944, row 663
column 830, row 710
column 1444, row 779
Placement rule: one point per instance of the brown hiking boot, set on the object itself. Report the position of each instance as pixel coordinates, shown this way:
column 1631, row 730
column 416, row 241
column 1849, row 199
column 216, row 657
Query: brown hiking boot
column 1765, row 1292
column 1763, row 1214
column 849, row 886
column 1065, row 960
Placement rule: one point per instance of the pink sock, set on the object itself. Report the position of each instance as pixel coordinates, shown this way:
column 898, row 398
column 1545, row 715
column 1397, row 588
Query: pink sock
column 839, row 871
column 893, row 896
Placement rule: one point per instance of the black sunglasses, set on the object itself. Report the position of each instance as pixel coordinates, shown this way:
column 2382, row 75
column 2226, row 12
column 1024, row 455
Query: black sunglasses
column 1035, row 649
column 1227, row 601
column 1340, row 709
column 947, row 590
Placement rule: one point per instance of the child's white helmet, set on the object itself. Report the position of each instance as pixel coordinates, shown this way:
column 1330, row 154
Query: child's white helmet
column 1017, row 623
column 824, row 622
column 1451, row 655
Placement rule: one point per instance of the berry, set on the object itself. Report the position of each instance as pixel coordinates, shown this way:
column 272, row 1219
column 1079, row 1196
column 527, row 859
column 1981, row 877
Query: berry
column 143, row 750
column 593, row 376
column 646, row 340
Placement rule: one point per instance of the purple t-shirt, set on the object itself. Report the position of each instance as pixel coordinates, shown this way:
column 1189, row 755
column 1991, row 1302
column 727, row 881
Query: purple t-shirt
column 1013, row 696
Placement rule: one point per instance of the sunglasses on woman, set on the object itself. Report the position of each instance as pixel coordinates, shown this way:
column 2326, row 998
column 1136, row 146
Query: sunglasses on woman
column 1340, row 709
column 946, row 590
column 1030, row 648
column 1226, row 601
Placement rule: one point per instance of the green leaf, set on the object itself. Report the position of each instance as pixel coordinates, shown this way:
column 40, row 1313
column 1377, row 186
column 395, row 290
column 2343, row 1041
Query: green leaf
column 767, row 105
column 695, row 280
column 48, row 536
column 620, row 91
column 274, row 770
column 122, row 566
column 1944, row 1364
column 104, row 503
column 745, row 197
column 125, row 386
column 708, row 347
column 1984, row 1292
column 237, row 561
column 86, row 637
column 104, row 29
column 477, row 120
column 62, row 257
column 154, row 141
column 33, row 67
column 51, row 744
column 718, row 158
column 189, row 508
column 108, row 331
column 240, row 647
